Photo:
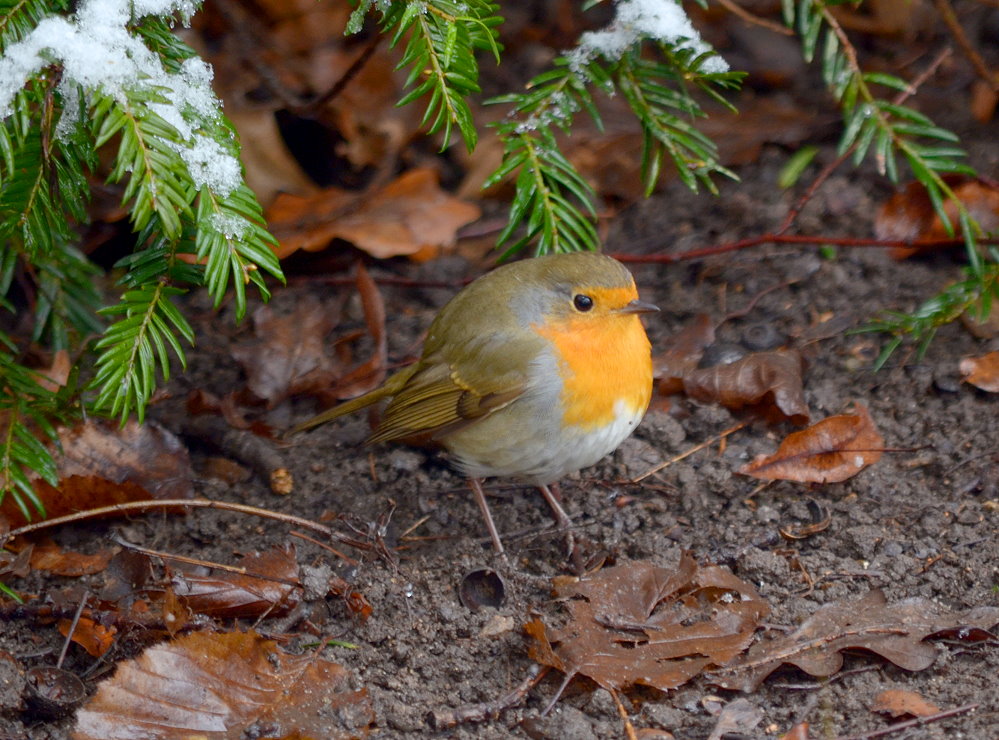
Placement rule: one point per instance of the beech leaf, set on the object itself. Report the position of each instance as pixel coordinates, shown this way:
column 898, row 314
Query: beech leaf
column 829, row 451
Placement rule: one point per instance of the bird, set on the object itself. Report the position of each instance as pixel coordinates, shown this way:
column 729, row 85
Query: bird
column 537, row 369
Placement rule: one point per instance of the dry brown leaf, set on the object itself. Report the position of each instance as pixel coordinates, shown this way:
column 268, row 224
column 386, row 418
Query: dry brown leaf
column 369, row 374
column 767, row 383
column 738, row 718
column 216, row 686
column 682, row 354
column 268, row 587
column 982, row 372
column 896, row 632
column 48, row 556
column 901, row 703
column 909, row 213
column 55, row 376
column 829, row 451
column 288, row 353
column 637, row 623
column 798, row 732
column 93, row 637
column 410, row 216
column 103, row 464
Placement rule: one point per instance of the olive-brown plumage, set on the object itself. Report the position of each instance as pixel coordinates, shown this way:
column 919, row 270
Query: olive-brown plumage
column 537, row 369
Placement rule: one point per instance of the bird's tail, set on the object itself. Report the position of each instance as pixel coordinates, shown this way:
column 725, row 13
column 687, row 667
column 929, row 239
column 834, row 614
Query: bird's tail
column 389, row 388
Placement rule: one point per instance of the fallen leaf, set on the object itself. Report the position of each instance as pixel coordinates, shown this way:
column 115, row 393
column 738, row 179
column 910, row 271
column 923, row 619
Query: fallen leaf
column 829, row 451
column 411, row 216
column 369, row 374
column 798, row 732
column 767, row 383
column 901, row 703
column 682, row 354
column 288, row 353
column 982, row 372
column 637, row 623
column 102, row 463
column 897, row 632
column 909, row 214
column 48, row 556
column 93, row 637
column 216, row 686
column 737, row 718
column 268, row 586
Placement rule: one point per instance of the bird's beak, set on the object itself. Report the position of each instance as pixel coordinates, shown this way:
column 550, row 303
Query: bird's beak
column 637, row 306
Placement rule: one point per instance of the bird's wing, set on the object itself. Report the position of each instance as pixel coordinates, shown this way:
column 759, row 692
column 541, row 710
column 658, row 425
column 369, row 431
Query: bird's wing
column 457, row 387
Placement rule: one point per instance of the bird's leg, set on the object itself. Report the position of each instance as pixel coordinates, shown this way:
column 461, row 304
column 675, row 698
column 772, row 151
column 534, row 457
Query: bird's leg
column 480, row 499
column 564, row 524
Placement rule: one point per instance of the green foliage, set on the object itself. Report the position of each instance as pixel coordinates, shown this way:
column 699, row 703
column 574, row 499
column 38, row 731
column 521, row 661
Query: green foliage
column 553, row 203
column 28, row 412
column 658, row 93
column 193, row 228
column 440, row 54
column 886, row 129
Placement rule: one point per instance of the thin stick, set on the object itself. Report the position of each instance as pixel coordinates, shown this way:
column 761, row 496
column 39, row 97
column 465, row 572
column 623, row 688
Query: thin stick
column 917, row 722
column 755, row 20
column 946, row 11
column 445, row 719
column 629, row 729
column 72, row 629
column 195, row 503
column 691, row 451
column 235, row 569
column 346, row 558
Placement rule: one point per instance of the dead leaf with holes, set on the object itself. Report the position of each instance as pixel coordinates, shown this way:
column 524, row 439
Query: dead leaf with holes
column 225, row 686
column 897, row 632
column 982, row 372
column 267, row 587
column 764, row 383
column 829, row 451
column 411, row 216
column 638, row 623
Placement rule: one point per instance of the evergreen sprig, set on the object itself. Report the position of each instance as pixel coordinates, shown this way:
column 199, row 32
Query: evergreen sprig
column 887, row 129
column 443, row 38
column 28, row 414
column 556, row 201
column 192, row 227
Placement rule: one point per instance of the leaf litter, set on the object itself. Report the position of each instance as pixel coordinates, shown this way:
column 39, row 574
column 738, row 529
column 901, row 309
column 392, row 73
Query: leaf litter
column 641, row 624
column 231, row 685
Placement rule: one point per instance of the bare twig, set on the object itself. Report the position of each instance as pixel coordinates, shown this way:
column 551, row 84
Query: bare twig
column 445, row 719
column 946, row 11
column 196, row 503
column 198, row 562
column 691, row 451
column 755, row 20
column 814, row 239
column 908, row 724
column 72, row 629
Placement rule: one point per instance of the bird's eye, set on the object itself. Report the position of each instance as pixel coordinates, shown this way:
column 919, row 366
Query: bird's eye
column 582, row 302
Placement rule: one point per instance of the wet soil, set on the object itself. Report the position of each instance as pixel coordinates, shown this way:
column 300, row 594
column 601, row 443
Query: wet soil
column 921, row 522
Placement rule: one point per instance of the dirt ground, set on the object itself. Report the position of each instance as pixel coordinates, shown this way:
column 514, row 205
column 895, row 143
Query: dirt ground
column 921, row 522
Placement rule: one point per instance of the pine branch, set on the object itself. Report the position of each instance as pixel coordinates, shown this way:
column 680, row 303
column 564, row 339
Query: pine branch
column 887, row 128
column 443, row 38
column 28, row 414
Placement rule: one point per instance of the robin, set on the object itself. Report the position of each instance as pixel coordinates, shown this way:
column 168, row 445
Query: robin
column 534, row 370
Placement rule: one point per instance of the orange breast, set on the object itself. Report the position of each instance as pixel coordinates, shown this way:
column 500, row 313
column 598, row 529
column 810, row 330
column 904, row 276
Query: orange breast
column 604, row 361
